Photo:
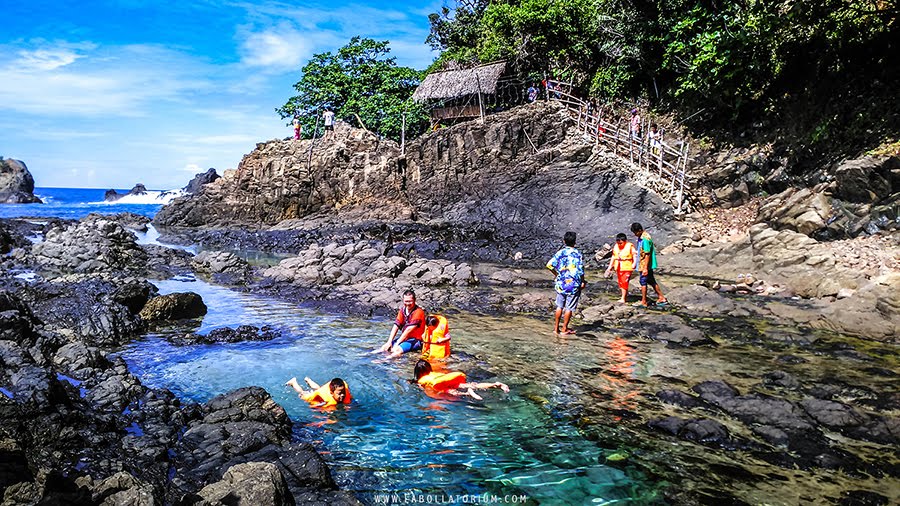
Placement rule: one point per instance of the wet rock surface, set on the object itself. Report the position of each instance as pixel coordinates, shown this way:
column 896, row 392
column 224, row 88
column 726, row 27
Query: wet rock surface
column 76, row 427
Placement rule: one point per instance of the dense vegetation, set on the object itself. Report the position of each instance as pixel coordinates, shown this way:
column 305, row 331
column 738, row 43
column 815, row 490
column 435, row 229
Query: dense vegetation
column 819, row 77
column 358, row 82
column 823, row 72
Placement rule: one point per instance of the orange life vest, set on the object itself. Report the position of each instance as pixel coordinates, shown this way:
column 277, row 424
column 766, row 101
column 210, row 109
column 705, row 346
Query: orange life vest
column 432, row 349
column 323, row 394
column 624, row 258
column 443, row 382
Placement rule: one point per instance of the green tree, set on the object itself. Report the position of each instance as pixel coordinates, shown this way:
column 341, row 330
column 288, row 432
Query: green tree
column 358, row 82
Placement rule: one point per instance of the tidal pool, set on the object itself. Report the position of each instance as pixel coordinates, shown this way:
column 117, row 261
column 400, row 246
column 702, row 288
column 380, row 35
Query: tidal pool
column 394, row 438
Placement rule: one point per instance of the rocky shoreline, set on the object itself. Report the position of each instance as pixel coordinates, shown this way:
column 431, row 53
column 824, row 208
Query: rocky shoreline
column 360, row 223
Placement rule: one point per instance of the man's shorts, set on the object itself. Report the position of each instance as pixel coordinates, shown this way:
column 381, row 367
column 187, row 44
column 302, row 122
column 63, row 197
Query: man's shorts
column 410, row 345
column 567, row 301
column 648, row 280
column 624, row 277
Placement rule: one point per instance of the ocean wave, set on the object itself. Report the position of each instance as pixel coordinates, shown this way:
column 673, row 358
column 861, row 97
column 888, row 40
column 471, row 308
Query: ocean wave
column 150, row 197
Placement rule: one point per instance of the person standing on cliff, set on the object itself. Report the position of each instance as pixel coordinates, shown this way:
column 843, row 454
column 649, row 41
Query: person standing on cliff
column 568, row 267
column 298, row 128
column 328, row 116
column 646, row 264
column 409, row 324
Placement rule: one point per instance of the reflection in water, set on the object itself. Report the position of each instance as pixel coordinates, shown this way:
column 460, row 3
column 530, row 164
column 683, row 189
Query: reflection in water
column 621, row 360
column 396, row 438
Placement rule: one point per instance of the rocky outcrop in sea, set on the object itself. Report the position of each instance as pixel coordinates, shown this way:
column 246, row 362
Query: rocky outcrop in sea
column 16, row 183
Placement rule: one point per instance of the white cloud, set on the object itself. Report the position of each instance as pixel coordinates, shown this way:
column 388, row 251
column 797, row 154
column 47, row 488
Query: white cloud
column 115, row 80
column 279, row 48
column 46, row 59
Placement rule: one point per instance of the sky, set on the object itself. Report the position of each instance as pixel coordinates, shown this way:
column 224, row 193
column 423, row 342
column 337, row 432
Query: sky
column 107, row 94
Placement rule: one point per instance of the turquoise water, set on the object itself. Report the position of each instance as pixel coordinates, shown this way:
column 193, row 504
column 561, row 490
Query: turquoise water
column 76, row 203
column 394, row 437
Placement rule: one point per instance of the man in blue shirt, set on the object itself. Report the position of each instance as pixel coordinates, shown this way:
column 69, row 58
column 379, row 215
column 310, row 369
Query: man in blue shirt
column 568, row 267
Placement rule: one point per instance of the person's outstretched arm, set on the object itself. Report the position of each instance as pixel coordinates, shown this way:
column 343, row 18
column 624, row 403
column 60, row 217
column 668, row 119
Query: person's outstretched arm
column 485, row 386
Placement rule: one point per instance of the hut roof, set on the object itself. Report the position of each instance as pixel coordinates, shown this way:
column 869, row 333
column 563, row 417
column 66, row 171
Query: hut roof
column 458, row 83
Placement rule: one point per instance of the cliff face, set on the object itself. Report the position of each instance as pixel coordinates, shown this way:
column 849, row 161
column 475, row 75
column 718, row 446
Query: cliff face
column 16, row 183
column 515, row 177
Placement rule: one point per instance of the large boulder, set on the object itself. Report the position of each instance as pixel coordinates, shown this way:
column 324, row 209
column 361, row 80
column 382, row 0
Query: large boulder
column 250, row 484
column 94, row 244
column 174, row 306
column 16, row 183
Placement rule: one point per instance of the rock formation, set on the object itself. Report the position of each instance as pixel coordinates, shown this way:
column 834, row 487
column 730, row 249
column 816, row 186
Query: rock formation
column 113, row 195
column 95, row 244
column 514, row 179
column 16, row 183
column 201, row 179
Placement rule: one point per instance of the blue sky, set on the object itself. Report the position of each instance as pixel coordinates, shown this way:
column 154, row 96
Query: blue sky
column 106, row 94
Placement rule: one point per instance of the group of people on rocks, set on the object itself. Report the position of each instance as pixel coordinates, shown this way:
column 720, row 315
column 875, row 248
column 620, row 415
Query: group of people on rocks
column 416, row 331
column 413, row 331
column 567, row 266
column 327, row 119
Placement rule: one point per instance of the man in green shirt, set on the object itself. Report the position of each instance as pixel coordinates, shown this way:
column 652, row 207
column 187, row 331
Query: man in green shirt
column 646, row 265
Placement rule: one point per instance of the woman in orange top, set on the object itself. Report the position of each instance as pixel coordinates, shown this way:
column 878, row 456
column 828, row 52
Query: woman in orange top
column 332, row 393
column 436, row 342
column 623, row 261
column 453, row 383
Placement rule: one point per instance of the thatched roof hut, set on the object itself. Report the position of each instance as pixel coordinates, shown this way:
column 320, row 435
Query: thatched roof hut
column 451, row 84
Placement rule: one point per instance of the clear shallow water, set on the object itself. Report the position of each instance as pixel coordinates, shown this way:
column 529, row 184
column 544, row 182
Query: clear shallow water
column 76, row 203
column 394, row 437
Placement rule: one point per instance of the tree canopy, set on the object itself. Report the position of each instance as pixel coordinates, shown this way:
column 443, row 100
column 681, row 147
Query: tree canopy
column 738, row 62
column 359, row 80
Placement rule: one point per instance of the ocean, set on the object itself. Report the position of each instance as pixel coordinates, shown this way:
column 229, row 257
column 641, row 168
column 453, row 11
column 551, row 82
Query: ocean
column 76, row 203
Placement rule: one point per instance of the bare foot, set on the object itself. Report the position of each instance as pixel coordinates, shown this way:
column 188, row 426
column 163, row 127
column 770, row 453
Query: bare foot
column 568, row 332
column 291, row 382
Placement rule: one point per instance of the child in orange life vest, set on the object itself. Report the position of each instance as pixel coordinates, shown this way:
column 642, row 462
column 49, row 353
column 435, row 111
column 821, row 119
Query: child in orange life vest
column 436, row 341
column 332, row 393
column 453, row 383
column 623, row 262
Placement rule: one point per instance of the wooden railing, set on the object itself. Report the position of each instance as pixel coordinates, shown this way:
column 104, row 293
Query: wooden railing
column 660, row 167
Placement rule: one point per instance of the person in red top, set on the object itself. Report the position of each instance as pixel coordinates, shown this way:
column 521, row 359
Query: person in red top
column 410, row 325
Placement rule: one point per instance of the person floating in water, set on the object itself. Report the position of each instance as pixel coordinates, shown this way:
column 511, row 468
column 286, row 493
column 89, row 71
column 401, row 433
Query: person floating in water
column 436, row 342
column 623, row 263
column 332, row 393
column 410, row 324
column 453, row 383
column 568, row 267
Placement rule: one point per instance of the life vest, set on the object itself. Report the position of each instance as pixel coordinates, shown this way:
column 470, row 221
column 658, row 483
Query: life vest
column 323, row 394
column 415, row 317
column 624, row 258
column 431, row 349
column 443, row 382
